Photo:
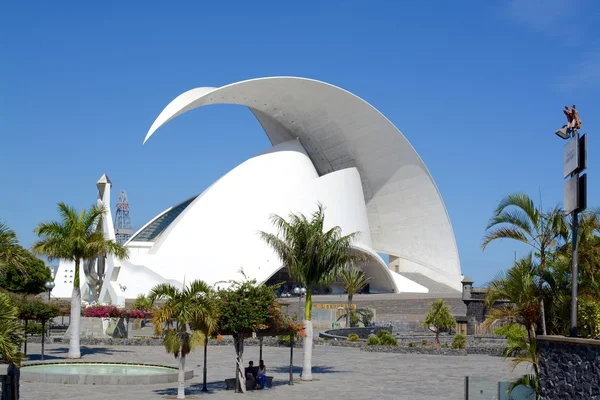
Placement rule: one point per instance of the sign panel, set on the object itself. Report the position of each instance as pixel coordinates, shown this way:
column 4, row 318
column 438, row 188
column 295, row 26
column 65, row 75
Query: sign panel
column 571, row 202
column 583, row 152
column 575, row 194
column 571, row 156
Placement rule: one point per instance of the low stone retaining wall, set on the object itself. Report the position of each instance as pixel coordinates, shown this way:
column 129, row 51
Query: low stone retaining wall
column 362, row 332
column 416, row 350
column 569, row 368
column 276, row 342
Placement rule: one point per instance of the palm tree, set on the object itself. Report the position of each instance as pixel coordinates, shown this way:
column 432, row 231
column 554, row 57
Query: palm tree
column 312, row 257
column 519, row 287
column 191, row 307
column 517, row 218
column 438, row 317
column 208, row 327
column 75, row 238
column 353, row 280
column 10, row 331
column 10, row 252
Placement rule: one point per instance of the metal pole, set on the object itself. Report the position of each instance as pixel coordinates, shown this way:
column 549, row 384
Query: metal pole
column 48, row 296
column 291, row 358
column 43, row 338
column 574, row 275
column 261, row 345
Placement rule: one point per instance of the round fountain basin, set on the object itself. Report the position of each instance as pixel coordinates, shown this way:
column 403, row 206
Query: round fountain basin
column 87, row 373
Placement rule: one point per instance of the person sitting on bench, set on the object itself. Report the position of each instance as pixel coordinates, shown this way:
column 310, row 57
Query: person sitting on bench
column 261, row 375
column 251, row 371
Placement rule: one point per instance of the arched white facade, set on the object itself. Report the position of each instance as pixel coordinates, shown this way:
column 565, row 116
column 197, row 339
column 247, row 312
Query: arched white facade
column 329, row 146
column 406, row 213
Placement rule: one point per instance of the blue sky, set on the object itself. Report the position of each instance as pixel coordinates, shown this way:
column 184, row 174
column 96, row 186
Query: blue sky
column 476, row 86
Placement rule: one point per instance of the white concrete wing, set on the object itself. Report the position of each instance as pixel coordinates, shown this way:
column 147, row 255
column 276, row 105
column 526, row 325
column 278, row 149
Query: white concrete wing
column 405, row 212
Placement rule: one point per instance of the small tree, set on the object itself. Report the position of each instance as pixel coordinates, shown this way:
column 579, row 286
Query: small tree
column 438, row 318
column 28, row 277
column 353, row 280
column 35, row 309
column 246, row 307
column 189, row 307
column 142, row 303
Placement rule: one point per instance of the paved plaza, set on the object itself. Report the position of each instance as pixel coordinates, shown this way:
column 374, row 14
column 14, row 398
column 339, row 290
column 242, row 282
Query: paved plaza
column 338, row 372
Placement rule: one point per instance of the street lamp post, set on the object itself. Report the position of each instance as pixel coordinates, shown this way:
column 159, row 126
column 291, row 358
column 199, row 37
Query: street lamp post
column 49, row 285
column 575, row 193
column 300, row 291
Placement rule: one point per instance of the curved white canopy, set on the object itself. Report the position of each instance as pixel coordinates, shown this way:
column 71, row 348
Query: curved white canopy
column 407, row 216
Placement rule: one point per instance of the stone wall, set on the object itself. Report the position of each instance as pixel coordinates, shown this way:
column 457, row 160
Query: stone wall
column 404, row 314
column 362, row 333
column 569, row 368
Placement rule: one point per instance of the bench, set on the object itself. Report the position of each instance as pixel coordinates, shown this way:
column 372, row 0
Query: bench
column 250, row 383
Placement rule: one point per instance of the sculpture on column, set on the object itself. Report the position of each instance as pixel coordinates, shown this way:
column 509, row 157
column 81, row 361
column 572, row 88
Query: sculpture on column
column 573, row 121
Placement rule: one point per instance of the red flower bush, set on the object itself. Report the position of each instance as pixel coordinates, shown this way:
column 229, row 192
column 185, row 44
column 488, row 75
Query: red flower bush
column 110, row 311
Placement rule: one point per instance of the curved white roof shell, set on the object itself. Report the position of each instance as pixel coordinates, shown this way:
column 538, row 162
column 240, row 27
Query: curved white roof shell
column 406, row 214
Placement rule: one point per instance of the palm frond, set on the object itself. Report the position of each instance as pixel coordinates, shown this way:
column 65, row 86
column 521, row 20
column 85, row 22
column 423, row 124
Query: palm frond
column 504, row 232
column 10, row 331
column 353, row 280
column 10, row 251
column 522, row 202
column 163, row 291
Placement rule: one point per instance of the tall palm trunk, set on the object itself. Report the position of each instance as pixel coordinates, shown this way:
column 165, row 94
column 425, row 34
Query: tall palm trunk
column 75, row 320
column 308, row 341
column 181, row 375
column 348, row 311
column 542, row 308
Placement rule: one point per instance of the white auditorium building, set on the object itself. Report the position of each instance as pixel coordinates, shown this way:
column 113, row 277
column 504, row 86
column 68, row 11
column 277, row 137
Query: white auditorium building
column 329, row 146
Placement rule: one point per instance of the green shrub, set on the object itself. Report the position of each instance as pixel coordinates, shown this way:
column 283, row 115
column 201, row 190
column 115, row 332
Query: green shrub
column 588, row 318
column 459, row 341
column 353, row 337
column 424, row 342
column 445, row 345
column 366, row 316
column 354, row 319
column 388, row 340
column 516, row 338
column 411, row 344
column 383, row 333
column 373, row 341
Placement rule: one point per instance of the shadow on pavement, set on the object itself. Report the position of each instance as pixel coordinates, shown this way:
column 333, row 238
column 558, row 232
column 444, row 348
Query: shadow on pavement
column 215, row 386
column 84, row 352
column 195, row 389
column 315, row 370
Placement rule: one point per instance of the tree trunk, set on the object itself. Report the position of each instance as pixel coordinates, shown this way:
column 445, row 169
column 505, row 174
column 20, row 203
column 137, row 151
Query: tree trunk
column 204, row 388
column 240, row 374
column 348, row 311
column 74, row 322
column 25, row 334
column 308, row 340
column 543, row 316
column 531, row 336
column 181, row 375
column 436, row 341
column 542, row 308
